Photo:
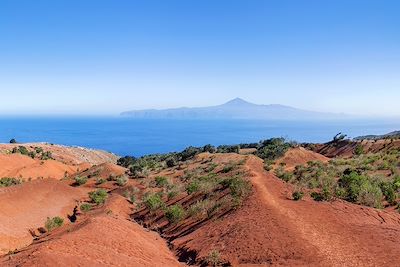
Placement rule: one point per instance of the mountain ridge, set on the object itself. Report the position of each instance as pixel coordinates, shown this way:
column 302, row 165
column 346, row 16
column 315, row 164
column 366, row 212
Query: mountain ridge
column 236, row 108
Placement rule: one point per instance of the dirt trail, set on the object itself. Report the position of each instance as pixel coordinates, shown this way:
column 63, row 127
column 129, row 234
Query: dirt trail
column 351, row 238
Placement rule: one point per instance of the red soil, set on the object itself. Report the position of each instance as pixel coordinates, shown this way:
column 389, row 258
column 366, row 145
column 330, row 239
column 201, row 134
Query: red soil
column 26, row 207
column 104, row 238
column 20, row 166
column 66, row 154
column 346, row 148
column 272, row 229
column 104, row 170
column 299, row 156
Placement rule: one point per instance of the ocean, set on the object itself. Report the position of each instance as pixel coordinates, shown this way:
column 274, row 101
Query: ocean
column 125, row 136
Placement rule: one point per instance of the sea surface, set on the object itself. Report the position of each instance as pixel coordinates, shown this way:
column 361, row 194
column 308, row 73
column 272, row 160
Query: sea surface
column 124, row 136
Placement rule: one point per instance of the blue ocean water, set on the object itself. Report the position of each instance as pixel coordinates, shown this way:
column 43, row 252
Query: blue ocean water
column 124, row 136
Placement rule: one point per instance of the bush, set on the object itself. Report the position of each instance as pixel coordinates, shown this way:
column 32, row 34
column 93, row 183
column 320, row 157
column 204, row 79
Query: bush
column 20, row 149
column 193, row 187
column 85, row 207
column 370, row 195
column 100, row 181
column 46, row 155
column 161, row 181
column 209, row 148
column 7, row 181
column 13, row 141
column 272, row 149
column 282, row 174
column 121, row 180
column 214, row 258
column 317, row 196
column 239, row 188
column 53, row 223
column 297, row 195
column 80, row 180
column 153, row 202
column 360, row 189
column 175, row 213
column 389, row 191
column 171, row 162
column 359, row 150
column 99, row 196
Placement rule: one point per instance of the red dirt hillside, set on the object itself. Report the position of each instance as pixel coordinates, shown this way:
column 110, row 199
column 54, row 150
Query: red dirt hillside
column 67, row 154
column 272, row 229
column 21, row 166
column 299, row 156
column 25, row 207
column 104, row 238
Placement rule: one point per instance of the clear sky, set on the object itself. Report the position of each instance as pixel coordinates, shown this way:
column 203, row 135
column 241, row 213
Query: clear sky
column 104, row 57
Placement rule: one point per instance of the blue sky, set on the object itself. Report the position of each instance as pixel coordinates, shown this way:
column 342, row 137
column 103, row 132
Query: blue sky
column 103, row 57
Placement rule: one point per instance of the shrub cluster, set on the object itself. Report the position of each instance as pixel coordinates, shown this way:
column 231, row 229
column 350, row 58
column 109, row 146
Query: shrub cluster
column 8, row 181
column 99, row 196
column 53, row 223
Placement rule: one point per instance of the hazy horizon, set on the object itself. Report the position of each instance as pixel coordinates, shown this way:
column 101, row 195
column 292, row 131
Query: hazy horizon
column 105, row 57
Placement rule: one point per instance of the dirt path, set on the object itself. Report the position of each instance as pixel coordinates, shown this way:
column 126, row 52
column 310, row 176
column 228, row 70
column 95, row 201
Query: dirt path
column 342, row 238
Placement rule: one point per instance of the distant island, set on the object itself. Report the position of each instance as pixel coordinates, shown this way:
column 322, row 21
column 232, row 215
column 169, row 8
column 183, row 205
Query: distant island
column 234, row 109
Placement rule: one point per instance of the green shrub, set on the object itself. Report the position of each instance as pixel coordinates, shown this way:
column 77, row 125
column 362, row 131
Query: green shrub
column 193, row 187
column 53, row 223
column 200, row 208
column 282, row 174
column 214, row 258
column 359, row 149
column 211, row 167
column 171, row 162
column 121, row 180
column 370, row 195
column 153, row 202
column 297, row 195
column 8, row 181
column 80, row 180
column 172, row 193
column 175, row 214
column 20, row 149
column 100, row 181
column 85, row 207
column 317, row 196
column 228, row 168
column 389, row 191
column 131, row 194
column 99, row 196
column 239, row 188
column 38, row 150
column 272, row 149
column 46, row 155
column 161, row 181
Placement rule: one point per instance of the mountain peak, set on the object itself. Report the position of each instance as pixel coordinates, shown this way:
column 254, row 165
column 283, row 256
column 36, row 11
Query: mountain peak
column 237, row 102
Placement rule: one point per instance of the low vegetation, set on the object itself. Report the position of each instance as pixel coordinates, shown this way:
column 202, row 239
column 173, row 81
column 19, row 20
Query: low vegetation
column 175, row 213
column 270, row 149
column 8, row 181
column 207, row 190
column 36, row 152
column 80, row 180
column 85, row 207
column 53, row 223
column 367, row 179
column 99, row 196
